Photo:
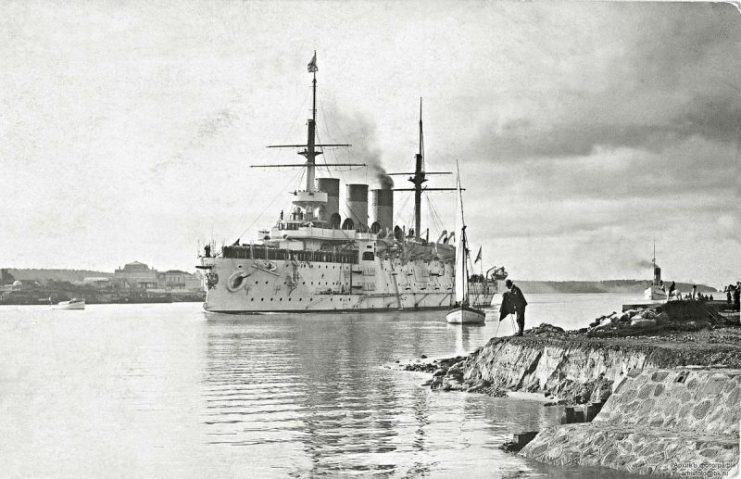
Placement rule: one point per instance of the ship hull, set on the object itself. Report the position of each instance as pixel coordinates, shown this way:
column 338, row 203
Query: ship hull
column 260, row 287
column 654, row 293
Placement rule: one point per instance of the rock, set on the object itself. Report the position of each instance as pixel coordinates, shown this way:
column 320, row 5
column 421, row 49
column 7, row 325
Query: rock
column 604, row 324
column 662, row 318
column 440, row 372
column 423, row 356
column 479, row 386
column 639, row 322
column 649, row 314
column 545, row 329
column 427, row 383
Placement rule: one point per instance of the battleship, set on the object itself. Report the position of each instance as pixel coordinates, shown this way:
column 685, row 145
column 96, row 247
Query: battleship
column 319, row 257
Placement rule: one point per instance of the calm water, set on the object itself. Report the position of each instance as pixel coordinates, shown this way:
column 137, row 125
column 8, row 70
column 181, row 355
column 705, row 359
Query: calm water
column 162, row 391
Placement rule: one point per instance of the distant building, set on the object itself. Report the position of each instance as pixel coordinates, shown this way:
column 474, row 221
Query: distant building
column 179, row 280
column 139, row 276
column 136, row 275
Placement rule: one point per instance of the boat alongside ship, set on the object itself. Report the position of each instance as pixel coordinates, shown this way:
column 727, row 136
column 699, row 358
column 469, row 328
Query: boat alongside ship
column 463, row 311
column 321, row 257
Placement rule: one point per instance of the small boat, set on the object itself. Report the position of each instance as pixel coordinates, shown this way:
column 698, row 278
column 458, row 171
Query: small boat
column 74, row 303
column 462, row 312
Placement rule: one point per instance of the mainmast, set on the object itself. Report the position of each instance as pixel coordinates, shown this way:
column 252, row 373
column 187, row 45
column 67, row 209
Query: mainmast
column 420, row 178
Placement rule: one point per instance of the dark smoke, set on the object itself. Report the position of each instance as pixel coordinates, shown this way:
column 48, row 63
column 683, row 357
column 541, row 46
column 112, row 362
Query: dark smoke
column 359, row 131
column 644, row 264
column 385, row 181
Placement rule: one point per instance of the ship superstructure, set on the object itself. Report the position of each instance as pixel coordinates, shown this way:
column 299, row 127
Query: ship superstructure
column 328, row 256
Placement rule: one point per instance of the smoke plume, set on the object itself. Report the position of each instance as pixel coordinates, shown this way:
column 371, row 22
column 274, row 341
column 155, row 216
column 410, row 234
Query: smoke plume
column 644, row 264
column 359, row 131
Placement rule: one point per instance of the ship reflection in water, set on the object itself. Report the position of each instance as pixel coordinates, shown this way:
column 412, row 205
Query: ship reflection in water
column 156, row 390
column 305, row 396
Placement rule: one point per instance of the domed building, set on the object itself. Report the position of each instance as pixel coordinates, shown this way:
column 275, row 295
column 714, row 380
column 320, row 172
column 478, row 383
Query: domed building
column 135, row 275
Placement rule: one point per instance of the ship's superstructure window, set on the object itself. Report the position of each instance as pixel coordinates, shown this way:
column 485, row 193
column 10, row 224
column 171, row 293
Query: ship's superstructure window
column 368, row 256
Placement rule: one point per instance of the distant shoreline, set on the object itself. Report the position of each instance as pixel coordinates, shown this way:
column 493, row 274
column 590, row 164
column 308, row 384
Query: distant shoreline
column 620, row 286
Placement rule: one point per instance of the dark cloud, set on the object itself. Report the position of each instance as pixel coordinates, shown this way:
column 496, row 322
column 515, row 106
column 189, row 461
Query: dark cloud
column 665, row 74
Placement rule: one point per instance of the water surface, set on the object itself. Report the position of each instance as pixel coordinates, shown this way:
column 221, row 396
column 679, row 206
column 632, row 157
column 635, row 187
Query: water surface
column 162, row 390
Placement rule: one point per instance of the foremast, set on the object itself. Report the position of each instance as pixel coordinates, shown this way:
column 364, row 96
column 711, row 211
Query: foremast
column 310, row 198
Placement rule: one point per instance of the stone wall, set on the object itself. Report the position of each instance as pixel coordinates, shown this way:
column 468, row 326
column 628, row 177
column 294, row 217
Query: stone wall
column 682, row 421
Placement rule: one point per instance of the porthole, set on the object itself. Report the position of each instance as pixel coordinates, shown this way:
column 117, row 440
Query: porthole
column 262, row 299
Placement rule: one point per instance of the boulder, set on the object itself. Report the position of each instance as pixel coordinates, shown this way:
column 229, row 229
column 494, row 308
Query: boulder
column 649, row 314
column 639, row 322
column 662, row 318
column 546, row 329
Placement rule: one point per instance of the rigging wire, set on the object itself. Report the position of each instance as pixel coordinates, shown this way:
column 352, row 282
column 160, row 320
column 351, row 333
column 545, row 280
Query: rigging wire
column 279, row 192
column 288, row 138
column 329, row 137
column 434, row 223
column 440, row 223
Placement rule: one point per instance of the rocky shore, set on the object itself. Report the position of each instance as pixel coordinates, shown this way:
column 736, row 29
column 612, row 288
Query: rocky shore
column 668, row 375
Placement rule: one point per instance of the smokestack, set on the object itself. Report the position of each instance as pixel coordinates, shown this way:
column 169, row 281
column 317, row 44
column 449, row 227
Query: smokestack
column 382, row 208
column 357, row 204
column 331, row 186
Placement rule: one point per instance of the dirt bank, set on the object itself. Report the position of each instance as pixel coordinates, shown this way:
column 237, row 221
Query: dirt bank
column 586, row 365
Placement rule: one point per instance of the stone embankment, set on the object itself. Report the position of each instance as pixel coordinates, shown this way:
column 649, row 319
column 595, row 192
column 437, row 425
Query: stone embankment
column 659, row 415
column 663, row 421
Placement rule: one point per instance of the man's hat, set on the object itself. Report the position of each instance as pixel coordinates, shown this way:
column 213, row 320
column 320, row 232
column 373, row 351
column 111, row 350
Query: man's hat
column 508, row 283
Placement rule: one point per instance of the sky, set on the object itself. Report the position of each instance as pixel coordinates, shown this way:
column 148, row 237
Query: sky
column 584, row 131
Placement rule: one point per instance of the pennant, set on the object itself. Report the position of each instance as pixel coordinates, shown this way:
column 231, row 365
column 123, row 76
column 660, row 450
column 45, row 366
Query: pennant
column 478, row 256
column 312, row 64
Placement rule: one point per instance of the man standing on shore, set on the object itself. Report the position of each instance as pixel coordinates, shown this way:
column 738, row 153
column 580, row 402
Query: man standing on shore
column 518, row 299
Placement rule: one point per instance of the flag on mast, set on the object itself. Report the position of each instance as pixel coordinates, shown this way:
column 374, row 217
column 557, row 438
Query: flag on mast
column 312, row 64
column 478, row 256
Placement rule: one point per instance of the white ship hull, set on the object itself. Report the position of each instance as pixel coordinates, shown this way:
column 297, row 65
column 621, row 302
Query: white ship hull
column 654, row 293
column 259, row 286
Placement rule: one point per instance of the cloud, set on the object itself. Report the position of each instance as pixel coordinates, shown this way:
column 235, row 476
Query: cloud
column 659, row 75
